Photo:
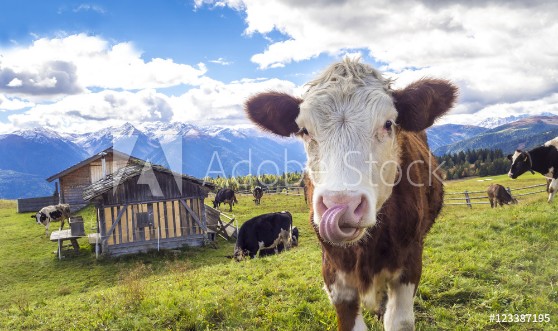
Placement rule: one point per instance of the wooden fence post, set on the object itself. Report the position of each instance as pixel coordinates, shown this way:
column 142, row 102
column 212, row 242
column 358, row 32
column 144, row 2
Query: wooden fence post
column 468, row 200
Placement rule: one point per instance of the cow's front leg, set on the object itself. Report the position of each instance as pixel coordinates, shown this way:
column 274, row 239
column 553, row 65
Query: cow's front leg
column 399, row 313
column 61, row 225
column 552, row 188
column 345, row 298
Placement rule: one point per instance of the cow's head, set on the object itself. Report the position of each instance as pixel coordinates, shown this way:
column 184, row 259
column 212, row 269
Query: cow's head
column 521, row 163
column 40, row 218
column 349, row 119
column 240, row 254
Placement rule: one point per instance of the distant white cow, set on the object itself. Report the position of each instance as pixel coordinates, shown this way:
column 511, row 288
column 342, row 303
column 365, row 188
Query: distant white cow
column 53, row 213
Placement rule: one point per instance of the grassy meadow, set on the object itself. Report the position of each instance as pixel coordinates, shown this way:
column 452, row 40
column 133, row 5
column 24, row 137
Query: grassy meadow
column 477, row 261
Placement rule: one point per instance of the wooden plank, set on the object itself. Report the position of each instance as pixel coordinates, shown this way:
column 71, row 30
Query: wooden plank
column 123, row 226
column 116, row 221
column 134, row 223
column 177, row 221
column 102, row 227
column 120, row 227
column 108, row 225
column 195, row 208
column 183, row 220
column 204, row 216
column 166, row 221
column 151, row 213
column 62, row 235
column 196, row 218
column 131, row 224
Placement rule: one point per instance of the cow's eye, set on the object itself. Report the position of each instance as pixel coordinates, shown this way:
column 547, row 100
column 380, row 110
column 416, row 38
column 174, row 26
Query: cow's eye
column 388, row 125
column 303, row 132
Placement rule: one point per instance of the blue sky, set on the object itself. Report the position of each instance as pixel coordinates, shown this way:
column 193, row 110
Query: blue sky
column 76, row 66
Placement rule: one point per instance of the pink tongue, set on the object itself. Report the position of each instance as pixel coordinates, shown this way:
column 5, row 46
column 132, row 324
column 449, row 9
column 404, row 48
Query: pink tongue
column 329, row 225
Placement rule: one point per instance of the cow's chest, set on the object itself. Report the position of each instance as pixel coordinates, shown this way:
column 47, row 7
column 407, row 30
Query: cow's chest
column 550, row 173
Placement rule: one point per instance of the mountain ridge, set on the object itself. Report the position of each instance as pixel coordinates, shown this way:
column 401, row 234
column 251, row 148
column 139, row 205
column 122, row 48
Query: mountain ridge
column 216, row 151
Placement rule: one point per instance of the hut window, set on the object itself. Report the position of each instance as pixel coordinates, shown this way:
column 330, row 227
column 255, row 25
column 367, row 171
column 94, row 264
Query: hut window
column 144, row 220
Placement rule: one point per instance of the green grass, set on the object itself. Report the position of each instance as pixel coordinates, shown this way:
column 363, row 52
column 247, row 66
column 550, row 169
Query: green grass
column 477, row 261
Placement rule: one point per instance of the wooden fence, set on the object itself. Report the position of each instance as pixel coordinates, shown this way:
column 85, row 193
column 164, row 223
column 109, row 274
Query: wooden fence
column 471, row 197
column 35, row 204
column 287, row 190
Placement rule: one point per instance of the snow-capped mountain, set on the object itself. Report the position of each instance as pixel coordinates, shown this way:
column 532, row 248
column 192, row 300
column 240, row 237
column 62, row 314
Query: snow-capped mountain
column 197, row 151
column 494, row 122
column 526, row 133
column 442, row 135
column 33, row 155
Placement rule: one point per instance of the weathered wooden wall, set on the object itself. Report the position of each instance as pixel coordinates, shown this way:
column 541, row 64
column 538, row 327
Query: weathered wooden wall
column 112, row 163
column 35, row 204
column 72, row 185
column 146, row 222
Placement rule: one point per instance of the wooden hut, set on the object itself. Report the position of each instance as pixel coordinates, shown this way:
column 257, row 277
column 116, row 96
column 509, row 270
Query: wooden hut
column 141, row 207
column 79, row 176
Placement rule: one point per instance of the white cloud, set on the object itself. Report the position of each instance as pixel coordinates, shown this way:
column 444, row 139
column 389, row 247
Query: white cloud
column 221, row 61
column 497, row 52
column 86, row 112
column 68, row 65
column 546, row 105
column 212, row 103
column 216, row 103
column 8, row 104
column 16, row 82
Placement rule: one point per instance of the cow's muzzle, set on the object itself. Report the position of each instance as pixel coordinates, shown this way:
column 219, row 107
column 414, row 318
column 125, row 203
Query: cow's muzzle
column 342, row 216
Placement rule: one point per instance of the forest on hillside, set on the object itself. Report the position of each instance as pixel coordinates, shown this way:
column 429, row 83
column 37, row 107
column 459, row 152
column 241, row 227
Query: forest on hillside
column 479, row 162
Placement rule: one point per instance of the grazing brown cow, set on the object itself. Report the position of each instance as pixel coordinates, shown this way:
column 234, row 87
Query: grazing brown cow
column 373, row 184
column 498, row 195
column 258, row 194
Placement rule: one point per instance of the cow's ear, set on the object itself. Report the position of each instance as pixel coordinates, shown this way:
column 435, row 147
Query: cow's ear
column 421, row 103
column 510, row 157
column 33, row 216
column 274, row 112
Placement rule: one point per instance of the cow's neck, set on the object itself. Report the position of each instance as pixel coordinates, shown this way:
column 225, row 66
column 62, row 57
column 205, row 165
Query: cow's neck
column 540, row 160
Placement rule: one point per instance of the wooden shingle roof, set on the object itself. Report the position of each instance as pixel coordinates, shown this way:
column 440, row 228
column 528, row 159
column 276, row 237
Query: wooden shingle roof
column 134, row 169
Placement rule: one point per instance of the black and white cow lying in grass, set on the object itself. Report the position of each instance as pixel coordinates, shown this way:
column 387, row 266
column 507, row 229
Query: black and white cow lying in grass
column 53, row 213
column 267, row 231
column 542, row 159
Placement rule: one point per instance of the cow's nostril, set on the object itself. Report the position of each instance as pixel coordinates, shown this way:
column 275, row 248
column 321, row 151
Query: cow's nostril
column 321, row 206
column 361, row 209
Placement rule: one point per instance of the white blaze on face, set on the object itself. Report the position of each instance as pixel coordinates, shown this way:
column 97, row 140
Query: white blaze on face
column 514, row 157
column 348, row 145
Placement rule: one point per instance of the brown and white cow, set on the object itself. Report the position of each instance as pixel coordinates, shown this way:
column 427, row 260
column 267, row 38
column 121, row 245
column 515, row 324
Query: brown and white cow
column 372, row 182
column 498, row 195
column 258, row 194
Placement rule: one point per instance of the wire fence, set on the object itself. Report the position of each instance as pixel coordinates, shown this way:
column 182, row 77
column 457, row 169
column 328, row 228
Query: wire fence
column 470, row 198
